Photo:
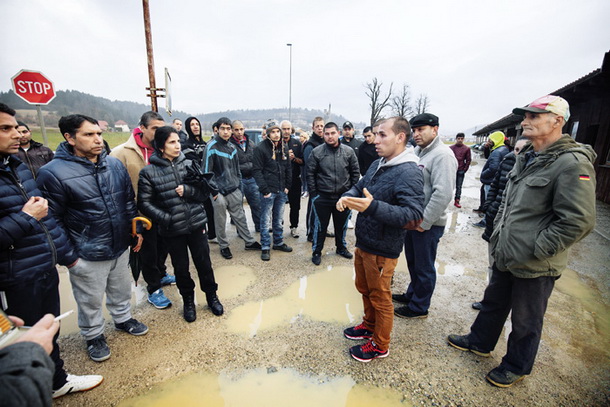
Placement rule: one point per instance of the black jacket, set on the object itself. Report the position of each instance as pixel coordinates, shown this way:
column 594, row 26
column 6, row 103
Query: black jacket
column 28, row 247
column 245, row 156
column 192, row 148
column 366, row 155
column 221, row 159
column 272, row 170
column 332, row 170
column 94, row 202
column 494, row 196
column 36, row 156
column 157, row 197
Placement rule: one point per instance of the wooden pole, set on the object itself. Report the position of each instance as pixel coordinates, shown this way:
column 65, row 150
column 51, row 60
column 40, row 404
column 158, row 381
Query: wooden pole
column 150, row 57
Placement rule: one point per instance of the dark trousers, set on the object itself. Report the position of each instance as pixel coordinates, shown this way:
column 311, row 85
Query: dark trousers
column 294, row 200
column 209, row 213
column 527, row 298
column 31, row 301
column 323, row 208
column 420, row 251
column 153, row 254
column 459, row 180
column 197, row 243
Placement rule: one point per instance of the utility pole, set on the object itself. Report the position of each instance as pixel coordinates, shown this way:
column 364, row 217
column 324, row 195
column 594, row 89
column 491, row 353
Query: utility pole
column 290, row 87
column 150, row 58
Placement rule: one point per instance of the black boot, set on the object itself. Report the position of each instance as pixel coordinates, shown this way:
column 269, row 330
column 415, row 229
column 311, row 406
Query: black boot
column 214, row 304
column 190, row 314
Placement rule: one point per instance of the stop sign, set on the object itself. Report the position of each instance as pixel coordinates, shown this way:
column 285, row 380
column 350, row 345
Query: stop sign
column 33, row 87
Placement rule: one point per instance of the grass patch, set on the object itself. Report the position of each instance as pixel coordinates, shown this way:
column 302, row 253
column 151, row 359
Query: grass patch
column 55, row 137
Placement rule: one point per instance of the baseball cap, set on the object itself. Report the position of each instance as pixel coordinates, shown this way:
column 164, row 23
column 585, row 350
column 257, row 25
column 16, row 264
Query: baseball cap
column 272, row 124
column 424, row 119
column 348, row 124
column 546, row 104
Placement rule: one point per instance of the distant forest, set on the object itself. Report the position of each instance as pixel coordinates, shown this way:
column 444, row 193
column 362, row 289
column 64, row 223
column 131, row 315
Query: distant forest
column 72, row 101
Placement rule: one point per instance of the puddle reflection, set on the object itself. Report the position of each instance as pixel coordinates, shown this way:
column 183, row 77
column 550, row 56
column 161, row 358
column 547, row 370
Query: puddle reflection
column 328, row 296
column 266, row 387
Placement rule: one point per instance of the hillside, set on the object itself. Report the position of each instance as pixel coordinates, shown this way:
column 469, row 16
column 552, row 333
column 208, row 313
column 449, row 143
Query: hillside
column 72, row 101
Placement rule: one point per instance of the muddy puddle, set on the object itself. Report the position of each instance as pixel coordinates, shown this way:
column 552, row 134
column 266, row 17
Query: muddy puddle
column 266, row 387
column 327, row 296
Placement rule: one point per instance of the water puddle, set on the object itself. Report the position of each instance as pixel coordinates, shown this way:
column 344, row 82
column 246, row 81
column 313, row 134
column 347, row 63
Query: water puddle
column 232, row 280
column 571, row 284
column 458, row 222
column 456, row 270
column 266, row 387
column 328, row 296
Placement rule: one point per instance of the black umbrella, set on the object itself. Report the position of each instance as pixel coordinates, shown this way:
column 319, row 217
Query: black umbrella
column 135, row 263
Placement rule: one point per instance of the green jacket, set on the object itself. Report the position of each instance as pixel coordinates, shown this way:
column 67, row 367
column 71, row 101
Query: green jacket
column 547, row 206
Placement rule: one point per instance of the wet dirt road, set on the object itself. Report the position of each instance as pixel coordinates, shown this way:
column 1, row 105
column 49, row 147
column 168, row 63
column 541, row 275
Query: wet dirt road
column 280, row 341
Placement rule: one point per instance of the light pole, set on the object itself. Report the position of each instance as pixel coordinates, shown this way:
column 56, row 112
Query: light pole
column 290, row 86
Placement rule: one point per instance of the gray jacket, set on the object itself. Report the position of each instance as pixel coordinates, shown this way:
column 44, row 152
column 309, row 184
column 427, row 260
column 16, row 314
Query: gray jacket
column 439, row 165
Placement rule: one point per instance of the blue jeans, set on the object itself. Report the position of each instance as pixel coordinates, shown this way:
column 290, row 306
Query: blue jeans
column 272, row 208
column 250, row 191
column 420, row 251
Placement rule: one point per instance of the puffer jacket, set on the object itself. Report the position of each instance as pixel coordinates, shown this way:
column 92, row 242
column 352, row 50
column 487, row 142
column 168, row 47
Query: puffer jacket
column 398, row 198
column 28, row 247
column 94, row 202
column 272, row 169
column 221, row 159
column 494, row 196
column 245, row 156
column 548, row 205
column 493, row 164
column 157, row 197
column 331, row 171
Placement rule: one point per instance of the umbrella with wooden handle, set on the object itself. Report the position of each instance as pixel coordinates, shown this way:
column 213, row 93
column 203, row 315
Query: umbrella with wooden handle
column 135, row 262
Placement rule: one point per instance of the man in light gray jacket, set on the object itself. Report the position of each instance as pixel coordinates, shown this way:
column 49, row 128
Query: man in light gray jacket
column 439, row 166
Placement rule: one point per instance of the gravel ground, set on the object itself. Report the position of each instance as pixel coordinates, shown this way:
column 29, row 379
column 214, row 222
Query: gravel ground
column 572, row 367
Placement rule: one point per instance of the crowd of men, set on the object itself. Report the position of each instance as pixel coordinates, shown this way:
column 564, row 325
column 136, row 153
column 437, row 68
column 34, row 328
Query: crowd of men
column 75, row 207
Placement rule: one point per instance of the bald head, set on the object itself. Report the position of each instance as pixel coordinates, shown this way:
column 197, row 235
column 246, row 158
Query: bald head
column 286, row 128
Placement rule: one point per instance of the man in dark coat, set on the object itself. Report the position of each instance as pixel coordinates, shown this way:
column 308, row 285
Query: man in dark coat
column 31, row 152
column 92, row 198
column 31, row 243
column 388, row 197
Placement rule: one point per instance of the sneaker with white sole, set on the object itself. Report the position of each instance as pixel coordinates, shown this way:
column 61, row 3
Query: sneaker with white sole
column 358, row 332
column 159, row 300
column 78, row 383
column 98, row 349
column 294, row 233
column 367, row 352
column 168, row 279
column 132, row 326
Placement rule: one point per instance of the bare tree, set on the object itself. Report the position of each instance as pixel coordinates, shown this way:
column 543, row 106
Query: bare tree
column 401, row 103
column 422, row 104
column 377, row 102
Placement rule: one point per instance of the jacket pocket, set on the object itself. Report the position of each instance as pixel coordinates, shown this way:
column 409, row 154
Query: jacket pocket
column 537, row 182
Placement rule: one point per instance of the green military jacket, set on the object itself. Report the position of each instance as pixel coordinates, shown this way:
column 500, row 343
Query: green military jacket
column 548, row 205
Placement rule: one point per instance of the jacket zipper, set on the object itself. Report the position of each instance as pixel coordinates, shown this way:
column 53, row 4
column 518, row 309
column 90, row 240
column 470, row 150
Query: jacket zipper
column 42, row 225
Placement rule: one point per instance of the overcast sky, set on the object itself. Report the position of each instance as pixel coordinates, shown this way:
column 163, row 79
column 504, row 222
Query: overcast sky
column 475, row 60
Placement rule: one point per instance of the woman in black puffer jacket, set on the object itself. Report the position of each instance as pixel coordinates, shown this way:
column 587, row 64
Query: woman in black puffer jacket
column 179, row 211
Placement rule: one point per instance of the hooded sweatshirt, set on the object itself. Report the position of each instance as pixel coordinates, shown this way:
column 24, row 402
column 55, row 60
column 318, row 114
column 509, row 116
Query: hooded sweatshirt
column 194, row 146
column 397, row 187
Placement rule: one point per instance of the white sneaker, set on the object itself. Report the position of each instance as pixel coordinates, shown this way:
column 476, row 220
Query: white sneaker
column 78, row 383
column 294, row 233
column 213, row 240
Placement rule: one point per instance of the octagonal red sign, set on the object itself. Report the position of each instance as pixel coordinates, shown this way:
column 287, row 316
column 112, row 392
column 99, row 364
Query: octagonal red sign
column 33, row 87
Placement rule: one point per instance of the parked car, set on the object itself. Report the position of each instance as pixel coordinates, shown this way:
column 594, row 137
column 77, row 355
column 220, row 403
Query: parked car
column 256, row 135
